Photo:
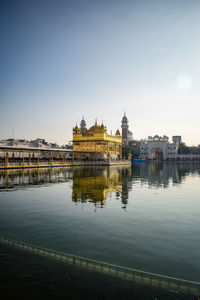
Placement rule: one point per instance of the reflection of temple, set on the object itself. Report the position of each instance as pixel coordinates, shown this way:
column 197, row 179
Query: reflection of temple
column 89, row 184
column 97, row 184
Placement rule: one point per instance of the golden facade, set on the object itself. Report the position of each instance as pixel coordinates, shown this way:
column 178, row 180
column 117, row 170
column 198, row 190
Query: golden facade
column 97, row 142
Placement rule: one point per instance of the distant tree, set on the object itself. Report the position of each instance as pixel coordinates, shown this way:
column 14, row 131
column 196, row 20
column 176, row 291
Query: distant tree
column 129, row 149
column 125, row 151
column 195, row 150
column 183, row 149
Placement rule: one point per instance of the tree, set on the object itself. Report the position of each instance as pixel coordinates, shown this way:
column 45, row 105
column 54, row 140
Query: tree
column 129, row 149
column 183, row 149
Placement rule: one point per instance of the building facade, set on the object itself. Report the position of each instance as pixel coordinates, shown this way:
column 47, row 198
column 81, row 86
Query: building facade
column 160, row 148
column 97, row 142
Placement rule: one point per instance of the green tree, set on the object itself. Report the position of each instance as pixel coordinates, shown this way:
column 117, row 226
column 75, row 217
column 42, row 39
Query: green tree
column 183, row 149
column 129, row 149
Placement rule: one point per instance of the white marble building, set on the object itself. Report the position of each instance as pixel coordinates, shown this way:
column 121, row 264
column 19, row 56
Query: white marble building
column 160, row 148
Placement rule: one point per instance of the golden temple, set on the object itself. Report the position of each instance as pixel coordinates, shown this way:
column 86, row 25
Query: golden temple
column 97, row 142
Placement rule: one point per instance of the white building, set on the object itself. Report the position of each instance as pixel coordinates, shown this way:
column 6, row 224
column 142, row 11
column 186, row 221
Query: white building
column 160, row 148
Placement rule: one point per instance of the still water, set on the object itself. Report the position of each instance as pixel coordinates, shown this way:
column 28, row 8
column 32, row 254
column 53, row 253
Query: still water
column 145, row 217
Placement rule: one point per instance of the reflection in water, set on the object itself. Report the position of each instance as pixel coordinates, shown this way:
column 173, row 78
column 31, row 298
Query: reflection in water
column 157, row 230
column 33, row 177
column 161, row 174
column 96, row 184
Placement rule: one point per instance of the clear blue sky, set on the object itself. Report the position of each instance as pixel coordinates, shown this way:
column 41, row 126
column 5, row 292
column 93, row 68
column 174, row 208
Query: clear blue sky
column 60, row 60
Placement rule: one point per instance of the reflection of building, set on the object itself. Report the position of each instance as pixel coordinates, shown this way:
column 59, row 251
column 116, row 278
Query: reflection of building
column 97, row 184
column 126, row 133
column 97, row 141
column 162, row 174
column 159, row 147
column 33, row 177
column 159, row 174
column 89, row 184
column 126, row 186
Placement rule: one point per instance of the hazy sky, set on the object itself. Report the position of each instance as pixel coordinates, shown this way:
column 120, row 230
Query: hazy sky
column 63, row 59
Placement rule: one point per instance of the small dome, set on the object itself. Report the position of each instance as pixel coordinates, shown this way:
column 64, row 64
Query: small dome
column 75, row 129
column 124, row 119
column 103, row 126
column 156, row 137
column 117, row 132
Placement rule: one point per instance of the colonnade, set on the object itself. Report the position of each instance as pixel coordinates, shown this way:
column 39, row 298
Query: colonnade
column 26, row 158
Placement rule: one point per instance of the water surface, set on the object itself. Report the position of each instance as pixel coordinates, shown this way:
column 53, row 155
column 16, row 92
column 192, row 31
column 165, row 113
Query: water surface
column 145, row 217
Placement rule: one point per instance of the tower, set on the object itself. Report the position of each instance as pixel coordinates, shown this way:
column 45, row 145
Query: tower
column 125, row 130
column 83, row 126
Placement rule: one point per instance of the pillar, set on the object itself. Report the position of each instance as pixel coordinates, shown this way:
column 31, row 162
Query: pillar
column 22, row 158
column 38, row 159
column 6, row 159
column 64, row 159
column 50, row 159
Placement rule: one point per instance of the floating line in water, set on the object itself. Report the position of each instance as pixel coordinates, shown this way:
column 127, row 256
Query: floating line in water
column 138, row 276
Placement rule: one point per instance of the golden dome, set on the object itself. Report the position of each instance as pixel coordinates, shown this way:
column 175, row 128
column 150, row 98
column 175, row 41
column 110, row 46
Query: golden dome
column 117, row 132
column 97, row 127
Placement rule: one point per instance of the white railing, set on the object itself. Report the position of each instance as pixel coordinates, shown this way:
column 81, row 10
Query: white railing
column 138, row 276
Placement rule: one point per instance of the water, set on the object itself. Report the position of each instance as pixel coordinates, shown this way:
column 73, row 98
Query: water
column 144, row 217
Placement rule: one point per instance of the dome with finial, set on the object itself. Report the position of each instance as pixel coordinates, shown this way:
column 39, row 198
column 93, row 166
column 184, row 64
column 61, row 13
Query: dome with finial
column 98, row 128
column 83, row 123
column 124, row 119
column 117, row 132
column 76, row 129
column 102, row 125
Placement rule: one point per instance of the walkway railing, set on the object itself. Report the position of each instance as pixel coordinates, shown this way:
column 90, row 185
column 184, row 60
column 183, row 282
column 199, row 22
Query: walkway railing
column 140, row 277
